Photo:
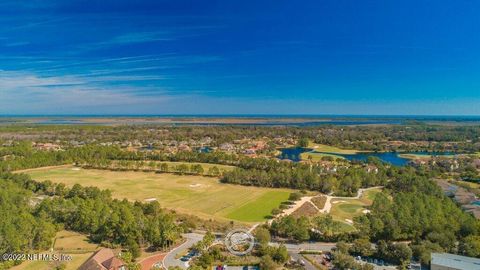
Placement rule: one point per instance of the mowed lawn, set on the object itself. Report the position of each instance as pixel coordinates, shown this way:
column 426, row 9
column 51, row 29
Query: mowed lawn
column 317, row 156
column 202, row 196
column 252, row 212
column 345, row 210
column 331, row 149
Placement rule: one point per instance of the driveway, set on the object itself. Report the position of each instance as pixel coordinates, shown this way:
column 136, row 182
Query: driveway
column 171, row 261
column 147, row 263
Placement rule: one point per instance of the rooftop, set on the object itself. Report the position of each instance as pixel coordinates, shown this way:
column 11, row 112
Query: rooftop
column 455, row 261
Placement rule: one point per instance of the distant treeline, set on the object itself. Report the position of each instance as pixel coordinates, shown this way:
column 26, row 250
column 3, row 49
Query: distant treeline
column 374, row 138
column 263, row 172
column 344, row 182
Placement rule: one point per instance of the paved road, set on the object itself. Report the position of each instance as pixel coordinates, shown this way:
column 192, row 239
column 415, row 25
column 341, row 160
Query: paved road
column 318, row 246
column 295, row 249
column 299, row 257
column 170, row 261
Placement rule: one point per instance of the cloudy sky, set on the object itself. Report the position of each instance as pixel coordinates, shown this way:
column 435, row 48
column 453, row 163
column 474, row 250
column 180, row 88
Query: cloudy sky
column 240, row 57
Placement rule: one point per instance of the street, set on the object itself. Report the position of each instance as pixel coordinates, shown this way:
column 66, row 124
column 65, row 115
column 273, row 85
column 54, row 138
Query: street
column 298, row 257
column 171, row 261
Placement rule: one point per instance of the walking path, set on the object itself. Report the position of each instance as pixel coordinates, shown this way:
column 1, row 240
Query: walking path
column 328, row 203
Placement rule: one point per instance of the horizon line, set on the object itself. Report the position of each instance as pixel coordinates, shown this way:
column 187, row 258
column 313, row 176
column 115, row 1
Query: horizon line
column 241, row 115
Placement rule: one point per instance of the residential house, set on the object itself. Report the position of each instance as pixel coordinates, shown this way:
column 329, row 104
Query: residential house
column 47, row 146
column 446, row 261
column 104, row 259
column 372, row 169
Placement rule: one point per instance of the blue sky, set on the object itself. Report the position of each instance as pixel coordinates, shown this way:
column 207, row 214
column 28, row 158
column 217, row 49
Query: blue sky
column 240, row 57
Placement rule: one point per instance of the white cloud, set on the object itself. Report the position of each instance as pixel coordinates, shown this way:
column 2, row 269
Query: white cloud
column 22, row 92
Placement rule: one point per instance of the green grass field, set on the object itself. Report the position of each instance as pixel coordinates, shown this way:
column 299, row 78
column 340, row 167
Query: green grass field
column 345, row 210
column 198, row 195
column 252, row 212
column 315, row 156
column 330, row 149
column 416, row 156
column 370, row 195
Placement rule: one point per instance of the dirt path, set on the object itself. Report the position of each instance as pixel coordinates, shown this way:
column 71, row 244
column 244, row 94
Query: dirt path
column 297, row 205
column 359, row 193
column 327, row 206
column 328, row 203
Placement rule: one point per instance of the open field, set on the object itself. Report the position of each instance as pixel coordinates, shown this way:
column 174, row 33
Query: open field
column 314, row 156
column 416, row 156
column 259, row 208
column 344, row 209
column 198, row 195
column 73, row 242
column 66, row 242
column 331, row 149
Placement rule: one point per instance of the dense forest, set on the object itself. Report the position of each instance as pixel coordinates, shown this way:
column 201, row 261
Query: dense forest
column 344, row 182
column 20, row 228
column 415, row 209
column 412, row 136
column 26, row 226
column 412, row 209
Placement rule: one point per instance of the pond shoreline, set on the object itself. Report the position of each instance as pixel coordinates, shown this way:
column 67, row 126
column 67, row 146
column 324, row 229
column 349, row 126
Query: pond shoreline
column 394, row 158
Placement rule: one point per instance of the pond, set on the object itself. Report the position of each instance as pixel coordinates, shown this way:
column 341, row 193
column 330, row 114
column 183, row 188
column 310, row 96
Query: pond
column 388, row 157
column 393, row 158
column 293, row 153
column 205, row 149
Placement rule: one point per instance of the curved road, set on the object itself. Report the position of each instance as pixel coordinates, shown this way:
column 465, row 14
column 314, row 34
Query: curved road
column 170, row 261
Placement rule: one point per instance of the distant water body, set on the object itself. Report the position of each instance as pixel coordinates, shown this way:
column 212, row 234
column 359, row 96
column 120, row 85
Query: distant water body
column 256, row 120
column 393, row 158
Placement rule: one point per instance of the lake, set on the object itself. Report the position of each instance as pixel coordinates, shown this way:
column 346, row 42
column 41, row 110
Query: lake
column 388, row 157
column 293, row 153
column 393, row 158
